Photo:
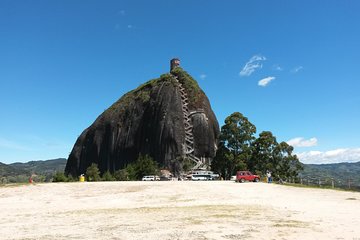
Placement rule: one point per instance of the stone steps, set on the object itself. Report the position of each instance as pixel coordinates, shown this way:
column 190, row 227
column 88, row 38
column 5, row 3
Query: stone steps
column 189, row 138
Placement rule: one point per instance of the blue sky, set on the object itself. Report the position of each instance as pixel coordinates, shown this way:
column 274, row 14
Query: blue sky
column 291, row 67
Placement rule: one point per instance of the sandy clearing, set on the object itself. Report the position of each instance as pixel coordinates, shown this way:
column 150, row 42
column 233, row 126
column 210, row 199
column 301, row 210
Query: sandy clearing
column 177, row 210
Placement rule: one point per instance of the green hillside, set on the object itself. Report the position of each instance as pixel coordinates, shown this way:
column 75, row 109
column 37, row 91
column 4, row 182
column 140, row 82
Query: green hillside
column 7, row 170
column 42, row 167
column 41, row 171
column 343, row 175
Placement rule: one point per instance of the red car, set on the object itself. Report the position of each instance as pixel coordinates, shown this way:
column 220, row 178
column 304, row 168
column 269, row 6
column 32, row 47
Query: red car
column 242, row 176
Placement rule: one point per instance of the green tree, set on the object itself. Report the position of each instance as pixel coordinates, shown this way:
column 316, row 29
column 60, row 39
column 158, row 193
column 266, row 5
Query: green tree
column 93, row 173
column 107, row 176
column 187, row 164
column 234, row 151
column 131, row 172
column 288, row 165
column 262, row 158
column 268, row 154
column 121, row 175
column 222, row 162
column 144, row 165
column 59, row 177
column 70, row 178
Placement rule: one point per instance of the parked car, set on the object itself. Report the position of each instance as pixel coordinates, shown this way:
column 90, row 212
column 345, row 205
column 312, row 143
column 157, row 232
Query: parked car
column 200, row 177
column 242, row 176
column 151, row 178
column 164, row 178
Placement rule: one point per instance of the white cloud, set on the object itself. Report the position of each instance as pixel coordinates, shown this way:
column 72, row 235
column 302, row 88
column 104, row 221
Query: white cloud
column 203, row 76
column 252, row 65
column 332, row 156
column 301, row 142
column 129, row 26
column 297, row 69
column 265, row 81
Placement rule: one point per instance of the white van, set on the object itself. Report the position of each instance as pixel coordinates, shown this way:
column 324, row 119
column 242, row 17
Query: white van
column 148, row 178
column 151, row 178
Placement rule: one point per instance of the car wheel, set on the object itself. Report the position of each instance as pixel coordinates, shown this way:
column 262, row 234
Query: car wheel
column 256, row 180
column 242, row 180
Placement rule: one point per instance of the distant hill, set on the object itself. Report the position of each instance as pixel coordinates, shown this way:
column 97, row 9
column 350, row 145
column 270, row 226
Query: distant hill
column 343, row 174
column 42, row 170
column 7, row 170
column 42, row 166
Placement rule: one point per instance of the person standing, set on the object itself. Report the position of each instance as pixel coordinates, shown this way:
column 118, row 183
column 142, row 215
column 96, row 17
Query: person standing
column 268, row 174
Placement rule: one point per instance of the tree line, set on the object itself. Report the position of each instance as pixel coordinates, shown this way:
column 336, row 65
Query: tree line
column 144, row 165
column 239, row 149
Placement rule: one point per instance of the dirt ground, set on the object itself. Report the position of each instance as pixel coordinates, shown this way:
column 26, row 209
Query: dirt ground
column 177, row 210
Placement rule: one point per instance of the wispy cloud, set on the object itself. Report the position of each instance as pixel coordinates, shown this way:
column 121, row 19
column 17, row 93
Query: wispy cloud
column 8, row 144
column 253, row 64
column 301, row 142
column 118, row 26
column 332, row 156
column 265, row 81
column 277, row 67
column 122, row 12
column 297, row 69
column 203, row 76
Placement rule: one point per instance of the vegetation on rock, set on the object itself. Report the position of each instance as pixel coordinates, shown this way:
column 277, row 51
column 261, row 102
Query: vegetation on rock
column 190, row 84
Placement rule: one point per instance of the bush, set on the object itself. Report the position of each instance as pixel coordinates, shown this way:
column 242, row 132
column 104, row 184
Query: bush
column 107, row 176
column 121, row 175
column 71, row 178
column 93, row 173
column 60, row 177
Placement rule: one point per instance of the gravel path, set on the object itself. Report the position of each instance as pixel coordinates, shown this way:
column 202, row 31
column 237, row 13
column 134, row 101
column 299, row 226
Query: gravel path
column 177, row 210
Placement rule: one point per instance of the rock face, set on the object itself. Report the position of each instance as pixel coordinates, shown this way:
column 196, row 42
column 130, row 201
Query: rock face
column 150, row 120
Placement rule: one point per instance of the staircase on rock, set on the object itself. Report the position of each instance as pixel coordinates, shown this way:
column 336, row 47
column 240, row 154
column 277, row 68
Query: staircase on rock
column 189, row 138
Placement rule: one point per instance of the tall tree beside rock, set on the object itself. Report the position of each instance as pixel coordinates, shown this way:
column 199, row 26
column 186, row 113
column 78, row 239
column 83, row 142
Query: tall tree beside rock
column 269, row 155
column 239, row 149
column 237, row 135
